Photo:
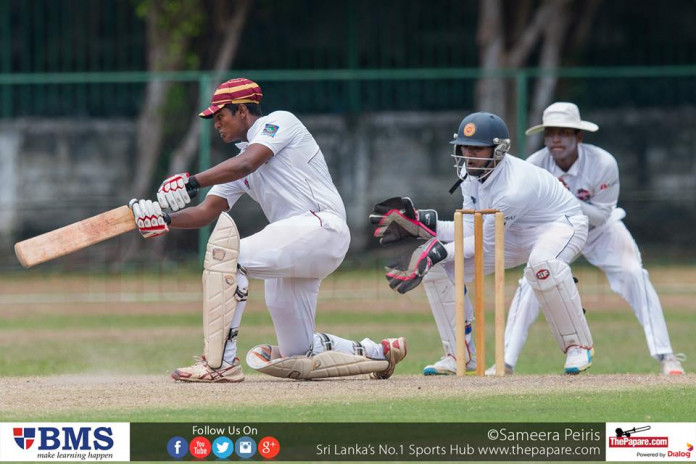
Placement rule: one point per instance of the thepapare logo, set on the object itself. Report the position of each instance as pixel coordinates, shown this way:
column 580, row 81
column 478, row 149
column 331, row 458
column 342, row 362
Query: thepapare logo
column 73, row 438
column 24, row 436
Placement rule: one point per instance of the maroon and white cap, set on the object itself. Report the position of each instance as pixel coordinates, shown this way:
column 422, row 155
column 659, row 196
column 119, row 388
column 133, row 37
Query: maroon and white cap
column 234, row 91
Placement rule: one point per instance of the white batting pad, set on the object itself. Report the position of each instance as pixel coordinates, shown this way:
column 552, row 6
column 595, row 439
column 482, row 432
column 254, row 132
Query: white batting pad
column 266, row 359
column 559, row 299
column 219, row 288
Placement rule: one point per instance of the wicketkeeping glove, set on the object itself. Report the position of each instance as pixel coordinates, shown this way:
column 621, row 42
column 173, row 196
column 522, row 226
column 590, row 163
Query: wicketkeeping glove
column 149, row 218
column 176, row 191
column 397, row 219
column 408, row 273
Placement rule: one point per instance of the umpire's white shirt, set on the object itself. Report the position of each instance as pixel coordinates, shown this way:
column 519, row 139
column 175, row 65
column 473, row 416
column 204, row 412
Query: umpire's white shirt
column 593, row 179
column 294, row 181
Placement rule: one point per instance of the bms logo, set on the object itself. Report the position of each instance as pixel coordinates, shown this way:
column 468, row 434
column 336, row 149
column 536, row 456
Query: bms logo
column 65, row 438
column 24, row 436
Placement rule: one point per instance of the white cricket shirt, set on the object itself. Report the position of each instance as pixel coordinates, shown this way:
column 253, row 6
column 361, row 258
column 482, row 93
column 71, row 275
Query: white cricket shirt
column 528, row 196
column 294, row 181
column 593, row 179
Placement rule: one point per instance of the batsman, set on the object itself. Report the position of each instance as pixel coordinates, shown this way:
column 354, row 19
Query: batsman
column 544, row 229
column 281, row 167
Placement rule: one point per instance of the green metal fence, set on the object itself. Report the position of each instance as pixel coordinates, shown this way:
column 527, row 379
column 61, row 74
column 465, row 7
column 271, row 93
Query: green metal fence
column 588, row 87
column 361, row 89
column 346, row 55
column 109, row 35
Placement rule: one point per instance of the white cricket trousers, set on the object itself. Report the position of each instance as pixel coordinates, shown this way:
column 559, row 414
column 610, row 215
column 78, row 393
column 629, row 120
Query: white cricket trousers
column 613, row 250
column 292, row 256
column 562, row 240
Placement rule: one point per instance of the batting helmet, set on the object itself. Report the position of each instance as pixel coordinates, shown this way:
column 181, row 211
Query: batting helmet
column 481, row 129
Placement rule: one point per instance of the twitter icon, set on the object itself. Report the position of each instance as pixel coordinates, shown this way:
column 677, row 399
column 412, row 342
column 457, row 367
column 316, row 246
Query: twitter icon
column 223, row 447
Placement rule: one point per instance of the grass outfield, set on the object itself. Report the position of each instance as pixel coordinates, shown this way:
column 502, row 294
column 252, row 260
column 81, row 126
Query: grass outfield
column 100, row 348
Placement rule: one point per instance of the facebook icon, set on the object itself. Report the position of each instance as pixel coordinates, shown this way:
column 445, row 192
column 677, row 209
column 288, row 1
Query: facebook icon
column 177, row 447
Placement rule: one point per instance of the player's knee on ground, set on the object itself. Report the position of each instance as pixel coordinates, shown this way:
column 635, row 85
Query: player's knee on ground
column 267, row 359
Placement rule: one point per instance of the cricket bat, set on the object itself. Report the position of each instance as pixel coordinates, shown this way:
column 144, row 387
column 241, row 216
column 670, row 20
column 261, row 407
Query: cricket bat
column 79, row 235
column 76, row 236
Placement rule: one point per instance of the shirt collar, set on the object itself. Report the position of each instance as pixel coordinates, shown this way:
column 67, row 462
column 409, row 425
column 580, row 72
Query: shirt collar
column 250, row 134
column 254, row 129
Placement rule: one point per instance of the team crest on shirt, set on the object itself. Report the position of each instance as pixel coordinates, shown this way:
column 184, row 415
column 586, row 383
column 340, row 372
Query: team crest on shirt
column 583, row 195
column 270, row 130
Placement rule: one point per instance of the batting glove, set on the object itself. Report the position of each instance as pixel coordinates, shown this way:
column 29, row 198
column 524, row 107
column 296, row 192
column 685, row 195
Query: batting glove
column 397, row 219
column 408, row 273
column 176, row 191
column 149, row 218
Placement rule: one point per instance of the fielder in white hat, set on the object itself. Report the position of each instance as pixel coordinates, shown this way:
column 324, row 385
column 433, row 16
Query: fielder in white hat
column 592, row 175
column 562, row 114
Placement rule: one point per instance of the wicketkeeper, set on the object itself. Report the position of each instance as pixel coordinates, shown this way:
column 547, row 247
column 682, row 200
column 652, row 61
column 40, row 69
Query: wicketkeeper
column 544, row 229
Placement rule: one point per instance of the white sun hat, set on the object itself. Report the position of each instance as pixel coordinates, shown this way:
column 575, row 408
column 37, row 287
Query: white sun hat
column 562, row 114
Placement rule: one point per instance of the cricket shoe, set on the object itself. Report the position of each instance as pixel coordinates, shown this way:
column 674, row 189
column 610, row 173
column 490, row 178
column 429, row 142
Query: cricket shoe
column 447, row 365
column 670, row 364
column 509, row 370
column 578, row 360
column 394, row 352
column 202, row 372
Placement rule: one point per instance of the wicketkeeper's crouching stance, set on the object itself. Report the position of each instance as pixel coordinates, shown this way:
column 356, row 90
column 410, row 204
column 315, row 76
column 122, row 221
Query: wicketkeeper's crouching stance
column 544, row 229
column 281, row 167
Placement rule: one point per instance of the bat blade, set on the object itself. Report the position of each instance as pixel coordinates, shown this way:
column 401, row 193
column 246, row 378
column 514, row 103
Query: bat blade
column 74, row 237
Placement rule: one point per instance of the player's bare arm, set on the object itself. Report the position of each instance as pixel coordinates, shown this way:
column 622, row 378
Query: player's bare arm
column 200, row 215
column 176, row 191
column 236, row 168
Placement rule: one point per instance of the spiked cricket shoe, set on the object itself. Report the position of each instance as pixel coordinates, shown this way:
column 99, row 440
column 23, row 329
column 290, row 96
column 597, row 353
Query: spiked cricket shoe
column 394, row 352
column 201, row 372
column 447, row 365
column 578, row 359
column 670, row 364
